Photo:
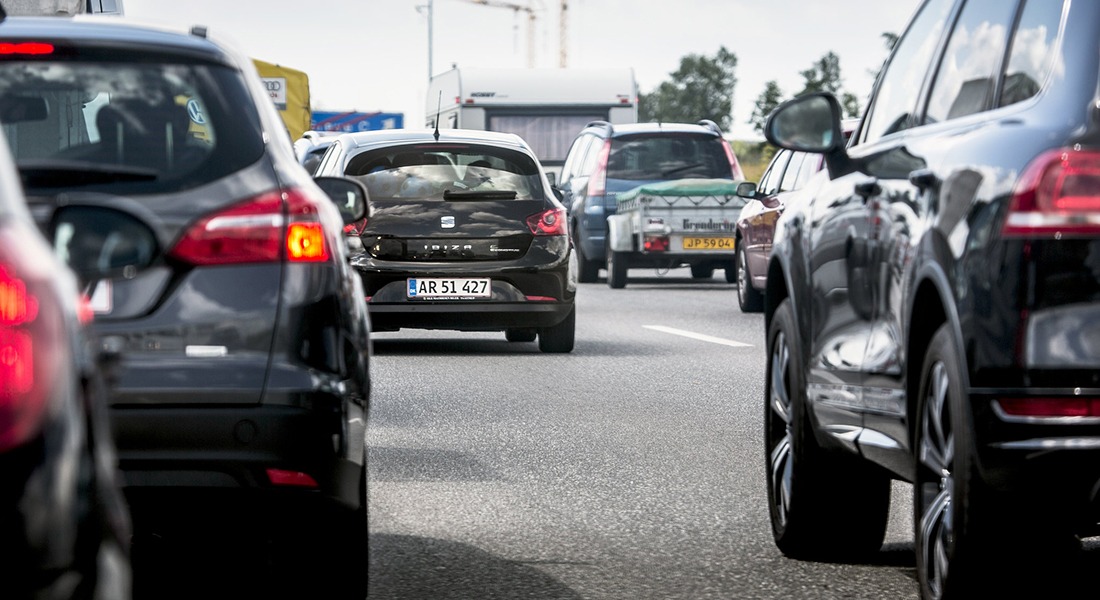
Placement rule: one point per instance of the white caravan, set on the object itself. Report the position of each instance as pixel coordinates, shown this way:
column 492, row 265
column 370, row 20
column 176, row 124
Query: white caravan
column 546, row 107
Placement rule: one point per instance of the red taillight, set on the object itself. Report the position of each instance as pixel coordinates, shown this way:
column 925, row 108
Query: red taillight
column 256, row 231
column 597, row 183
column 1058, row 194
column 1050, row 407
column 656, row 244
column 548, row 222
column 735, row 167
column 355, row 229
column 26, row 48
column 290, row 478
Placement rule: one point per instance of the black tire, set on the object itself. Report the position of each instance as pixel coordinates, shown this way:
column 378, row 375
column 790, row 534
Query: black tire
column 823, row 505
column 616, row 269
column 748, row 297
column 731, row 271
column 702, row 272
column 588, row 271
column 559, row 338
column 520, row 335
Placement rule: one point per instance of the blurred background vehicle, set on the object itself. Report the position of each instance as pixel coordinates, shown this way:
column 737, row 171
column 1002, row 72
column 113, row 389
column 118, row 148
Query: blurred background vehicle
column 607, row 159
column 243, row 351
column 311, row 147
column 465, row 234
column 933, row 307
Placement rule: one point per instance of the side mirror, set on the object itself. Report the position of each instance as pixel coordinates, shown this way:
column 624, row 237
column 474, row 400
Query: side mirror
column 102, row 243
column 811, row 123
column 553, row 178
column 747, row 189
column 349, row 195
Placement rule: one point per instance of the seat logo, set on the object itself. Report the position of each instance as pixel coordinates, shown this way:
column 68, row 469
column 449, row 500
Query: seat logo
column 447, row 222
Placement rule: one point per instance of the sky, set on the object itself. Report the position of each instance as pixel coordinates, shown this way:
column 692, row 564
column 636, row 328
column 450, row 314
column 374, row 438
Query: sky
column 371, row 55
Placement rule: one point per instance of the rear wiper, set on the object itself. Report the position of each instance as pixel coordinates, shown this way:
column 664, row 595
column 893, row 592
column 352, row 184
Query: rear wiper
column 678, row 169
column 479, row 195
column 60, row 173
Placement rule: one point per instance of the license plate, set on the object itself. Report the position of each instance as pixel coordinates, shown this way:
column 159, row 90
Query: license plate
column 448, row 287
column 708, row 243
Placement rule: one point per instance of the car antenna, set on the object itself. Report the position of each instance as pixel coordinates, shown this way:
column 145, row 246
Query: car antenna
column 438, row 109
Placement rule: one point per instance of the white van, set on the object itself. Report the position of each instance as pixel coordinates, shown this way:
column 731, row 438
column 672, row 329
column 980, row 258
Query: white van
column 546, row 107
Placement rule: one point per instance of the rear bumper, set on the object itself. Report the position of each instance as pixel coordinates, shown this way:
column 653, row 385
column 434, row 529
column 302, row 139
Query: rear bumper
column 467, row 316
column 230, row 448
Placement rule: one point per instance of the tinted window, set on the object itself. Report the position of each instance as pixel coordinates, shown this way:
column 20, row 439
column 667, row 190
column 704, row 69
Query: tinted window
column 1032, row 50
column 425, row 171
column 791, row 174
column 968, row 70
column 775, row 173
column 901, row 82
column 128, row 128
column 668, row 156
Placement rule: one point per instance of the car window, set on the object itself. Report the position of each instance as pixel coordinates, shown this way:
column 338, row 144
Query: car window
column 1033, row 51
column 156, row 127
column 578, row 155
column 664, row 156
column 328, row 159
column 571, row 158
column 790, row 175
column 426, row 171
column 810, row 165
column 775, row 173
column 968, row 70
column 591, row 154
column 900, row 83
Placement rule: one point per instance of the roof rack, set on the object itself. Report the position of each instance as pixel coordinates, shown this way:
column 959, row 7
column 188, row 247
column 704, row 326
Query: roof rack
column 711, row 125
column 600, row 124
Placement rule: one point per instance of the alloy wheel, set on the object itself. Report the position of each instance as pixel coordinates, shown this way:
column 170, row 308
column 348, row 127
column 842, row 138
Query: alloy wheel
column 936, row 456
column 779, row 429
column 742, row 278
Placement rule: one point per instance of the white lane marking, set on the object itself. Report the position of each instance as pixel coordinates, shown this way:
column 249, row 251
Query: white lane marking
column 697, row 336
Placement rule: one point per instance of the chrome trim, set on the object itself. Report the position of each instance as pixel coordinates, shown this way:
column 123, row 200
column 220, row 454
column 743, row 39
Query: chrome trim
column 1089, row 443
column 1007, row 418
column 870, row 437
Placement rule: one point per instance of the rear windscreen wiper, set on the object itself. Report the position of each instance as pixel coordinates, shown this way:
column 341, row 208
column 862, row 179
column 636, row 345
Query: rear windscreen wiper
column 479, row 195
column 62, row 173
column 678, row 169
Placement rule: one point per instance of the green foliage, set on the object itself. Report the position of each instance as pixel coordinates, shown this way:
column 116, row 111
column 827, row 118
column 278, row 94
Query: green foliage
column 823, row 76
column 890, row 39
column 766, row 102
column 702, row 88
column 850, row 104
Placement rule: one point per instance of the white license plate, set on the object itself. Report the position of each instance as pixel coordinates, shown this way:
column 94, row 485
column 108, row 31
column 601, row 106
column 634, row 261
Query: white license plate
column 448, row 287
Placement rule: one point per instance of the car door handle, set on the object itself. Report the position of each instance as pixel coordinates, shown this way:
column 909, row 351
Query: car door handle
column 923, row 179
column 867, row 189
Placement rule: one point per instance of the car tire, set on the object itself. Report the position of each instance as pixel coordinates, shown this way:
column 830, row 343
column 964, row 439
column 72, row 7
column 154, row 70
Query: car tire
column 748, row 297
column 559, row 338
column 823, row 505
column 730, row 271
column 514, row 334
column 588, row 271
column 616, row 269
column 701, row 272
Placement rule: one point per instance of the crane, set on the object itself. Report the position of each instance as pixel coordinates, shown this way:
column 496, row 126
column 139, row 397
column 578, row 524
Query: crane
column 531, row 18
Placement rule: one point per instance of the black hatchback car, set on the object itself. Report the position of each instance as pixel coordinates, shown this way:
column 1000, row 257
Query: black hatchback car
column 464, row 233
column 933, row 303
column 243, row 351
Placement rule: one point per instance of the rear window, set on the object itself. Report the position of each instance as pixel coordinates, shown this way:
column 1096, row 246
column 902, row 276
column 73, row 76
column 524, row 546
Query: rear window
column 426, row 171
column 127, row 128
column 668, row 156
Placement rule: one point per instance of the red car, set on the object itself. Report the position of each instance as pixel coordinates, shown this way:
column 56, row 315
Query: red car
column 787, row 173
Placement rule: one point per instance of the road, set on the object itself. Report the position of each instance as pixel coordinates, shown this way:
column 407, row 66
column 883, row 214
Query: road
column 631, row 468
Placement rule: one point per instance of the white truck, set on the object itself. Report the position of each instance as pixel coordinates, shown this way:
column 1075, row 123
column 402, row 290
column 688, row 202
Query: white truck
column 685, row 222
column 545, row 107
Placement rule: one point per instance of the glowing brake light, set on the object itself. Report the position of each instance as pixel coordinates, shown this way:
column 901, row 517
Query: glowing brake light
column 305, row 242
column 548, row 222
column 26, row 48
column 1057, row 195
column 355, row 229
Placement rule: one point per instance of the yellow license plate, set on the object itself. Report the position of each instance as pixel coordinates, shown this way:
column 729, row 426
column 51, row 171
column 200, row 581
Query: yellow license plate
column 708, row 243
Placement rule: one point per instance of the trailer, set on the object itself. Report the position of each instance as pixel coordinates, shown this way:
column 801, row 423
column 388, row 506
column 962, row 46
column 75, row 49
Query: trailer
column 545, row 107
column 671, row 224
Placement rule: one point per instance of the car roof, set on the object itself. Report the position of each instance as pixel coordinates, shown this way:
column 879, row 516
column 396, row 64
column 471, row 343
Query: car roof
column 395, row 137
column 636, row 128
column 100, row 32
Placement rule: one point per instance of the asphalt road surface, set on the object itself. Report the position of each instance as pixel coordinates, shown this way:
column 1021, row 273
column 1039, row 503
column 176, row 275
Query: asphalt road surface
column 631, row 468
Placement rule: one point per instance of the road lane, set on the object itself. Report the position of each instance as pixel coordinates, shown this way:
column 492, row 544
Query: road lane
column 631, row 468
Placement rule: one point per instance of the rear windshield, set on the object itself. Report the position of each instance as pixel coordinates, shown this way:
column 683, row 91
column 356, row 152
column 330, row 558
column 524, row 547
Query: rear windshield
column 127, row 128
column 667, row 156
column 426, row 171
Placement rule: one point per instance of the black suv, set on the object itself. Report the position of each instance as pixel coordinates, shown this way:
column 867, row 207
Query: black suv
column 243, row 351
column 606, row 160
column 933, row 305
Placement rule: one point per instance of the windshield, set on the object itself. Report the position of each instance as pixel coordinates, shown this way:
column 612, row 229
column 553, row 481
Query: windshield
column 663, row 156
column 443, row 171
column 126, row 128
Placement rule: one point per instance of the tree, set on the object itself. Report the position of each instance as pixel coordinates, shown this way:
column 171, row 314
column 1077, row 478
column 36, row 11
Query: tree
column 850, row 103
column 766, row 102
column 702, row 88
column 823, row 76
column 890, row 39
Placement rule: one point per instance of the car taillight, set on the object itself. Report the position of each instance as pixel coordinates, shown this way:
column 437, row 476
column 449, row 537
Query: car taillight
column 32, row 343
column 548, row 222
column 735, row 167
column 1050, row 407
column 255, row 231
column 355, row 229
column 597, row 183
column 1057, row 195
column 290, row 478
column 656, row 244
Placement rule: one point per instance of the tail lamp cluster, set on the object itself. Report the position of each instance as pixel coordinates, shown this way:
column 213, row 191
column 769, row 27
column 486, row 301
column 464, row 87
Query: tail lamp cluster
column 547, row 222
column 261, row 229
column 1057, row 195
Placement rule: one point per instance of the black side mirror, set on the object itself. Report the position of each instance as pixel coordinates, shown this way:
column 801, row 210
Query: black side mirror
column 349, row 195
column 102, row 243
column 811, row 123
column 747, row 189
